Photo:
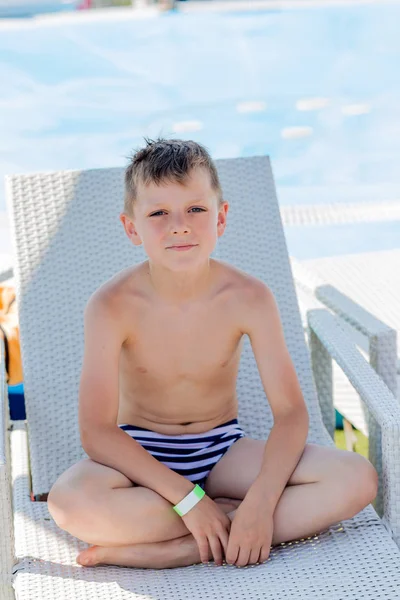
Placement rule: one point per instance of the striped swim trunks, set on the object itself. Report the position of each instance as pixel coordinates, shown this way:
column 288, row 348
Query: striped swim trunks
column 191, row 455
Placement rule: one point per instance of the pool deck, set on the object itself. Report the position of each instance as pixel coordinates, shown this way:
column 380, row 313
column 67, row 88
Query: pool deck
column 145, row 9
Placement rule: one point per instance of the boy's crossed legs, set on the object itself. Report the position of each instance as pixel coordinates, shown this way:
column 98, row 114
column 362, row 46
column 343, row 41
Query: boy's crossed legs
column 134, row 526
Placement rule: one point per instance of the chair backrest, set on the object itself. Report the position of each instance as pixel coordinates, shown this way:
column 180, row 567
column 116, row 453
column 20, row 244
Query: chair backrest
column 68, row 240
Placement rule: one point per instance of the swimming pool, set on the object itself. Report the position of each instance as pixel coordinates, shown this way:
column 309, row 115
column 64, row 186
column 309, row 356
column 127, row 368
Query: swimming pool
column 315, row 88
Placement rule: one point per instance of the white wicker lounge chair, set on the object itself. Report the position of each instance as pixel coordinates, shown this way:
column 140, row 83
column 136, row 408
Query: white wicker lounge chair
column 68, row 240
column 354, row 285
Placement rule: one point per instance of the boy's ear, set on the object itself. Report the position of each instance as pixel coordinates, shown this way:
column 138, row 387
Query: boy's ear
column 221, row 223
column 130, row 229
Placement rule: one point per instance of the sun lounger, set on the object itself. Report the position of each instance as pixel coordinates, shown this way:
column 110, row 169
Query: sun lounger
column 68, row 240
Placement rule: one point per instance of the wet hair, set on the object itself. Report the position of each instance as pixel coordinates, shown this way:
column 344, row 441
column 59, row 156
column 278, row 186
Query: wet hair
column 164, row 160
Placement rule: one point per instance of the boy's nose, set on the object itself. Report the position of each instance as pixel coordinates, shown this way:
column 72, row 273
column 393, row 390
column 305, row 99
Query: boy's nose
column 180, row 227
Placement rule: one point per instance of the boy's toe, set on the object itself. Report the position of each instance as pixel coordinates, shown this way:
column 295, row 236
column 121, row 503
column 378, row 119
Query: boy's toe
column 89, row 557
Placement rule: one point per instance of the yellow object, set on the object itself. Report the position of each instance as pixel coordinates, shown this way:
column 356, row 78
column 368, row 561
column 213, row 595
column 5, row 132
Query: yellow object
column 9, row 331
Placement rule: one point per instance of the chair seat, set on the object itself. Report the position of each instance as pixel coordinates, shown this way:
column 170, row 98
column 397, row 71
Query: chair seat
column 367, row 564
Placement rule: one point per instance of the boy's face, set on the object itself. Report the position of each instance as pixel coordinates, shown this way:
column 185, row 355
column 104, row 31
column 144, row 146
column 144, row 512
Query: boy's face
column 174, row 214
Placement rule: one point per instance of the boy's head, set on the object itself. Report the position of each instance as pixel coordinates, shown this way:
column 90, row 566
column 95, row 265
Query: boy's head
column 163, row 161
column 173, row 196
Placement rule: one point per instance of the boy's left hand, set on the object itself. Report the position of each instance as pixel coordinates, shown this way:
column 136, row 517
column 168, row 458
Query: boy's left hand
column 251, row 532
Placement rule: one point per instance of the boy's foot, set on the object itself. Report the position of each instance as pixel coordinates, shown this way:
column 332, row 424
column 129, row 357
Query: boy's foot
column 180, row 552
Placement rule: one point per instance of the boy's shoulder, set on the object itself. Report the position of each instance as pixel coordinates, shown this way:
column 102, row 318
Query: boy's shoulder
column 244, row 285
column 113, row 292
column 245, row 279
column 130, row 284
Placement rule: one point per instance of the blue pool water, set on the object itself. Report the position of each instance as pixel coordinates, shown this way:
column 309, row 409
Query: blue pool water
column 318, row 89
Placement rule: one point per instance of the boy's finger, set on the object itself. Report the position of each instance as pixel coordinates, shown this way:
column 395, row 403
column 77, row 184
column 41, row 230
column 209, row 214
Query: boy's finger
column 243, row 558
column 216, row 549
column 232, row 552
column 264, row 554
column 203, row 549
column 224, row 537
column 254, row 556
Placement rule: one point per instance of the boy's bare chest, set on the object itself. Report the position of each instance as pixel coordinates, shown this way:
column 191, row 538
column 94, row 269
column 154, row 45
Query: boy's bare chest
column 191, row 345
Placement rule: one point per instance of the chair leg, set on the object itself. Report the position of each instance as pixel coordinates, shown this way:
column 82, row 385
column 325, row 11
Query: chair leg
column 349, row 435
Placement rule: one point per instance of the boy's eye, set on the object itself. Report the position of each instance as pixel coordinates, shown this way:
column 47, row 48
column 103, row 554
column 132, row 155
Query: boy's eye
column 161, row 211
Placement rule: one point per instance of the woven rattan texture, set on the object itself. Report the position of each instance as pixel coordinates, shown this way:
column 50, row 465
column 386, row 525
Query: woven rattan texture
column 7, row 558
column 70, row 240
column 377, row 397
column 378, row 339
column 352, row 560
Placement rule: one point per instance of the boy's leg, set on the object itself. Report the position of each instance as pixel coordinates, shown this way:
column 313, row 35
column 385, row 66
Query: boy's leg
column 180, row 552
column 101, row 506
column 327, row 486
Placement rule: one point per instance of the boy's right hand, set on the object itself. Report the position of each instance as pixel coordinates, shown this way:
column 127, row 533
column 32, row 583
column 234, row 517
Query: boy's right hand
column 210, row 527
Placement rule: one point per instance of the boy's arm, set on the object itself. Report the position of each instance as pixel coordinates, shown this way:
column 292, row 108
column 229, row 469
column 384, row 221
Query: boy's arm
column 288, row 435
column 101, row 437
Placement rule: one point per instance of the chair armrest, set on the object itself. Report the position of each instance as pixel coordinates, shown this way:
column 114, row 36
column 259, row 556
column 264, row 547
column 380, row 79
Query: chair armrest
column 327, row 330
column 7, row 546
column 377, row 340
column 382, row 338
column 381, row 345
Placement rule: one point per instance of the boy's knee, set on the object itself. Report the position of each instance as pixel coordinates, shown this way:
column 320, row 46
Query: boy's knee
column 62, row 504
column 362, row 481
column 57, row 508
column 370, row 481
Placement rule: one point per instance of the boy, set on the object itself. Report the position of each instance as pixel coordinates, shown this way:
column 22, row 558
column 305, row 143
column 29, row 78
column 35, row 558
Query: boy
column 171, row 478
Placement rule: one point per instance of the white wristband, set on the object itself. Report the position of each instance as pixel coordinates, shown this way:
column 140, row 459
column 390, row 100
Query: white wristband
column 189, row 501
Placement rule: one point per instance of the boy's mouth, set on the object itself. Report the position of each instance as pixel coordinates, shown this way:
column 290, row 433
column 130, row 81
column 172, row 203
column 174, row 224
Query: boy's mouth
column 182, row 247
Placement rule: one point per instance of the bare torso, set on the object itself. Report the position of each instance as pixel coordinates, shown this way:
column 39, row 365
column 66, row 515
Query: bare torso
column 178, row 365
